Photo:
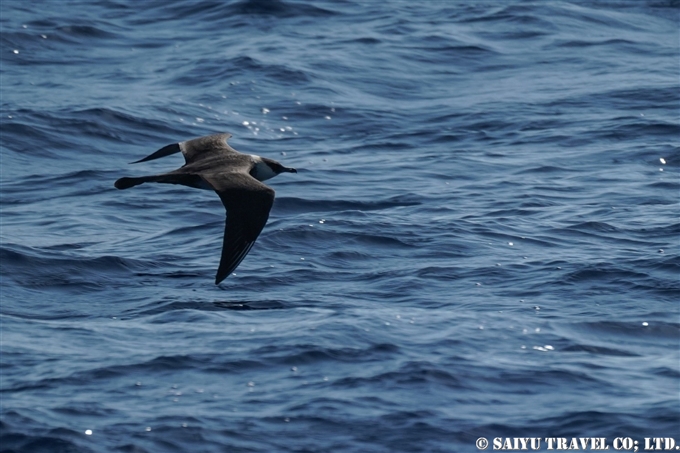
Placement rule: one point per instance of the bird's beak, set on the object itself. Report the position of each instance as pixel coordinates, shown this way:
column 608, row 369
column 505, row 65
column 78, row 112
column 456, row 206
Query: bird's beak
column 290, row 170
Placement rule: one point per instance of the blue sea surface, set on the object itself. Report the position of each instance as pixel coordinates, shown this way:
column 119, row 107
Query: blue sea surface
column 482, row 239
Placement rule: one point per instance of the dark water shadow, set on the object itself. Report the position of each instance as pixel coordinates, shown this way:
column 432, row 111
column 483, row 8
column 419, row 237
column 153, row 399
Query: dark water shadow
column 158, row 307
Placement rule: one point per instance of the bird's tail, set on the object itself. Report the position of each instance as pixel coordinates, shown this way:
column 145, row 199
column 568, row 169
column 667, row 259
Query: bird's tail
column 126, row 183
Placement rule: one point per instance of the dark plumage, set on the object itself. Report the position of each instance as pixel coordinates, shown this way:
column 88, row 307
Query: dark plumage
column 212, row 164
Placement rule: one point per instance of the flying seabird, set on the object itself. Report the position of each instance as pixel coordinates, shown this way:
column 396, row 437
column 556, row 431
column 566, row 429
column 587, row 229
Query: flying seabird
column 212, row 164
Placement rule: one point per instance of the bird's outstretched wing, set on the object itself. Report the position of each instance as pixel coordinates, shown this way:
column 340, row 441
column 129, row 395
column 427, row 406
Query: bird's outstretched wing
column 248, row 203
column 195, row 149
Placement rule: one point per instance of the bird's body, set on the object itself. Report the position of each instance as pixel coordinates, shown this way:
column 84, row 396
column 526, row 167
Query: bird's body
column 211, row 164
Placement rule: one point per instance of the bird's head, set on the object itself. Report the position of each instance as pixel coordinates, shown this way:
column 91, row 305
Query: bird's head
column 277, row 167
column 268, row 168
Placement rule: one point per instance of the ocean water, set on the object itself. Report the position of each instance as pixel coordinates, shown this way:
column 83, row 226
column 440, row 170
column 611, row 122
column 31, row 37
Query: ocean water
column 482, row 239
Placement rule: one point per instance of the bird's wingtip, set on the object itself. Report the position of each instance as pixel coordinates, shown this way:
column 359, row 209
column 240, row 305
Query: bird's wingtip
column 164, row 151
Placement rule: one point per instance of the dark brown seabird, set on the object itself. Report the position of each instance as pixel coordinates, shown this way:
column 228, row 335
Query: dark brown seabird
column 212, row 164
